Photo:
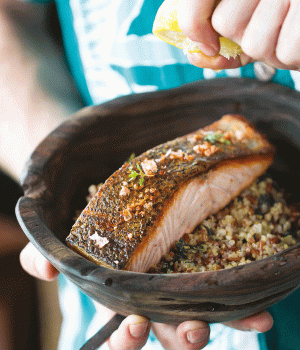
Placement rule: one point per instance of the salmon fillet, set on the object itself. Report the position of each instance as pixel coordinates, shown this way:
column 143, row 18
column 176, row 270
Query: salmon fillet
column 150, row 202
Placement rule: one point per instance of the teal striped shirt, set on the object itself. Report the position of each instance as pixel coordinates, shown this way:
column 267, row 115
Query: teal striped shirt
column 111, row 52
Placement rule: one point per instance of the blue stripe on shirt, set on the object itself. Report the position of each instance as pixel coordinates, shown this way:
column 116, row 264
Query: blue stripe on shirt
column 72, row 49
column 169, row 77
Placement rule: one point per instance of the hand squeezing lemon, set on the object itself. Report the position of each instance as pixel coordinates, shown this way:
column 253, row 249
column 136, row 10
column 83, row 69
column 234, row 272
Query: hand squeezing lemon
column 166, row 28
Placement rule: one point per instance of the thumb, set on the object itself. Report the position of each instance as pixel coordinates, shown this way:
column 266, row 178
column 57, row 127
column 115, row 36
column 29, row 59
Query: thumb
column 34, row 263
column 194, row 20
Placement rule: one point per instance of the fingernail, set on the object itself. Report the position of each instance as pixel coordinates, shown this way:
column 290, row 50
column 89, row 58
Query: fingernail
column 197, row 335
column 251, row 330
column 137, row 330
column 255, row 331
column 208, row 50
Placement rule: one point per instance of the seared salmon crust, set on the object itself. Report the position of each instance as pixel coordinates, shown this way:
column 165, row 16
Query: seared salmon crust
column 151, row 201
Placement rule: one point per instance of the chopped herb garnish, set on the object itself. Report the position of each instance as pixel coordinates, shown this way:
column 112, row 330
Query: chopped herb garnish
column 213, row 138
column 141, row 181
column 139, row 168
column 133, row 175
column 132, row 156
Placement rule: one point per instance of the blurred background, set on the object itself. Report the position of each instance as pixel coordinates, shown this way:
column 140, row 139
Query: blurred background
column 36, row 94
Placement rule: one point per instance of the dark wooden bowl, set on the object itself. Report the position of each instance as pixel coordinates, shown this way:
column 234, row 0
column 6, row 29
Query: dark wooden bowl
column 92, row 145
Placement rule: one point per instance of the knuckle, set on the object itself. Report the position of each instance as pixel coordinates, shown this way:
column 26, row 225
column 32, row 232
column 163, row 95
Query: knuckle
column 222, row 27
column 192, row 28
column 252, row 50
column 225, row 26
column 287, row 57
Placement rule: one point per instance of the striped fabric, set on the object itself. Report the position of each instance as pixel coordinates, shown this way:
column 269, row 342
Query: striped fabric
column 111, row 52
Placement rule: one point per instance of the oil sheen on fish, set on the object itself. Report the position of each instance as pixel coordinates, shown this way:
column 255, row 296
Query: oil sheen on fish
column 151, row 201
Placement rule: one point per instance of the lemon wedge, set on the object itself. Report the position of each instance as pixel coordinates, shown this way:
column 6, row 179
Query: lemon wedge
column 166, row 28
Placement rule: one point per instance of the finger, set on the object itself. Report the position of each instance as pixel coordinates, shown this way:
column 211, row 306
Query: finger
column 132, row 334
column 191, row 335
column 166, row 334
column 216, row 62
column 260, row 37
column 194, row 19
column 288, row 44
column 261, row 323
column 231, row 18
column 245, row 59
column 34, row 263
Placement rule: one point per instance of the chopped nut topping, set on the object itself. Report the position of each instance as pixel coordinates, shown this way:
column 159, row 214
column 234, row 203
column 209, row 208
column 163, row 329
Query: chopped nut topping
column 239, row 134
column 136, row 205
column 195, row 137
column 227, row 136
column 148, row 205
column 92, row 190
column 177, row 154
column 126, row 214
column 99, row 241
column 206, row 149
column 163, row 156
column 124, row 191
column 149, row 167
column 129, row 235
column 189, row 157
column 168, row 153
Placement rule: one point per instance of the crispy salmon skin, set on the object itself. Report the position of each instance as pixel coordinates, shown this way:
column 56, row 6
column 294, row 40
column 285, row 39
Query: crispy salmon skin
column 151, row 201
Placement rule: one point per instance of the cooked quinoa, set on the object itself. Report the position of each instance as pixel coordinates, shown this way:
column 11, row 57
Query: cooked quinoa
column 255, row 225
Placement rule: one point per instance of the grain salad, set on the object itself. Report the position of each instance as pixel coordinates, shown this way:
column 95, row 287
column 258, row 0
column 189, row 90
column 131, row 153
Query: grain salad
column 255, row 225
